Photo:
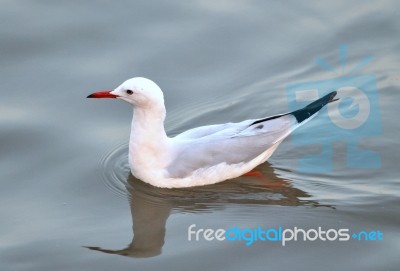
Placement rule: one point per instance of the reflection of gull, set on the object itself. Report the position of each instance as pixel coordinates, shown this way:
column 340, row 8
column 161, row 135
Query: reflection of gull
column 151, row 207
column 148, row 219
column 204, row 155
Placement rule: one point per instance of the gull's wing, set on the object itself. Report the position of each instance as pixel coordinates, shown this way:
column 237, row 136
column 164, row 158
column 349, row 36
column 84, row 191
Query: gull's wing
column 203, row 131
column 230, row 127
column 239, row 143
column 235, row 143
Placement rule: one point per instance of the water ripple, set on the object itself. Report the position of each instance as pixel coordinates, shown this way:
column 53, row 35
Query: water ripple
column 115, row 170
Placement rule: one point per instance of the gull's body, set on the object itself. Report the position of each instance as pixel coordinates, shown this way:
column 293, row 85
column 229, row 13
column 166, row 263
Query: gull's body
column 203, row 155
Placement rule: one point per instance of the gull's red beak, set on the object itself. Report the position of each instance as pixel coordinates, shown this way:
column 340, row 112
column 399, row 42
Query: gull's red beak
column 102, row 94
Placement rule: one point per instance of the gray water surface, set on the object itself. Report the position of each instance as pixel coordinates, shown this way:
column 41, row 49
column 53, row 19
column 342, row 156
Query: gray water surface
column 67, row 199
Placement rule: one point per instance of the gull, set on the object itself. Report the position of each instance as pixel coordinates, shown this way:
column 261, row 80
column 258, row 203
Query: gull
column 203, row 155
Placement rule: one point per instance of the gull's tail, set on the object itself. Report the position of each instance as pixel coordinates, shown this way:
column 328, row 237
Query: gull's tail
column 310, row 110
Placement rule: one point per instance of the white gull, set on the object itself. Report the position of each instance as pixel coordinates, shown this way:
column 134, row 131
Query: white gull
column 203, row 155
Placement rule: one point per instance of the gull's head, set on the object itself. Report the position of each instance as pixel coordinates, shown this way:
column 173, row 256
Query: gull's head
column 138, row 91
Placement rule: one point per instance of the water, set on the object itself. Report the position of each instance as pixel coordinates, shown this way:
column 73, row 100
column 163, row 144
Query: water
column 65, row 183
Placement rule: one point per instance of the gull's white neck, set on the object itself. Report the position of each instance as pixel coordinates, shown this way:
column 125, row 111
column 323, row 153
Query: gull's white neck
column 148, row 144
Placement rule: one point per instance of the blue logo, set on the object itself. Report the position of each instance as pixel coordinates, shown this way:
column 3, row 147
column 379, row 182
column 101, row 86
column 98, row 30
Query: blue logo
column 354, row 118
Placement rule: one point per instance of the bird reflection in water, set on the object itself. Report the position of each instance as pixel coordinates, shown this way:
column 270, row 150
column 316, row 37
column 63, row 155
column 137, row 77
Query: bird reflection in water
column 151, row 206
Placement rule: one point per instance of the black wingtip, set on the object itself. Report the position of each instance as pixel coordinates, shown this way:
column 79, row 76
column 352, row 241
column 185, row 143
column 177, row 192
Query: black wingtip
column 306, row 112
column 332, row 95
column 314, row 107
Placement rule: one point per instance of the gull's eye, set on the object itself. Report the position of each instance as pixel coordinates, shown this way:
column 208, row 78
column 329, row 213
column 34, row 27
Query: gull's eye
column 130, row 92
